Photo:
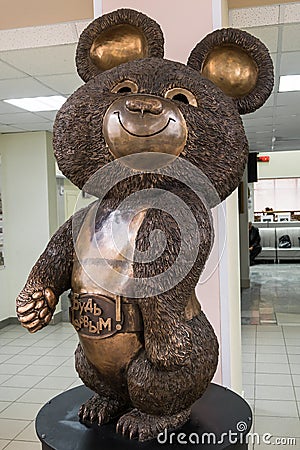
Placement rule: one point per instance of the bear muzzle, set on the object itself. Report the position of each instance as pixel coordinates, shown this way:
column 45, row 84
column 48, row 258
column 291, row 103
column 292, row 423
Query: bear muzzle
column 141, row 123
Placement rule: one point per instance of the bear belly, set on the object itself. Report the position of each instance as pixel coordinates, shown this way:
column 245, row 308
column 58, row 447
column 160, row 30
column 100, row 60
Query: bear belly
column 109, row 325
column 112, row 355
column 109, row 330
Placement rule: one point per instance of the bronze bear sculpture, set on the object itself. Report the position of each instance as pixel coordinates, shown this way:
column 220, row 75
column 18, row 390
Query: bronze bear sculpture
column 148, row 358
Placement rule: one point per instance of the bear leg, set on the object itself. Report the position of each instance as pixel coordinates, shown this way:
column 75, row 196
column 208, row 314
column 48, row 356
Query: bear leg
column 144, row 426
column 106, row 404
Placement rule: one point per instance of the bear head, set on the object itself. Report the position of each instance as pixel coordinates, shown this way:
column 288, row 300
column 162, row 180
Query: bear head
column 134, row 101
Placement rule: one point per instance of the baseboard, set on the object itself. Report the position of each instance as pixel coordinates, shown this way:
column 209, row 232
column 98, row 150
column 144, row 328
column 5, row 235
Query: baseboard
column 9, row 321
column 57, row 318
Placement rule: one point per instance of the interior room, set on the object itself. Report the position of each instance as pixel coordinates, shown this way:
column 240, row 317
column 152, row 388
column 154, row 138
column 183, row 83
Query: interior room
column 255, row 310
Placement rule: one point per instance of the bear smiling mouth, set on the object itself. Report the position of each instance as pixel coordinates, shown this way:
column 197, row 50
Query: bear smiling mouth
column 144, row 135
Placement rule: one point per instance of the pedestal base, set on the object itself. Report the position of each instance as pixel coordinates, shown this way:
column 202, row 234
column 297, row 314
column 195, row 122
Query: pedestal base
column 220, row 420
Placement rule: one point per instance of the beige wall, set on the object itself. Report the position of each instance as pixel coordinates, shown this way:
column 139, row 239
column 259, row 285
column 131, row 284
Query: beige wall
column 281, row 165
column 28, row 13
column 28, row 196
column 249, row 3
column 182, row 25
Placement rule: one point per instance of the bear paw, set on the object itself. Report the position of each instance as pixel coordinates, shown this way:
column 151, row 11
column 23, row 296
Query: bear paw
column 36, row 310
column 100, row 409
column 136, row 424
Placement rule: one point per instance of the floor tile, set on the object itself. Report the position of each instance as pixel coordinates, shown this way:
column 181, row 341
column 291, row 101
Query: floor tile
column 297, row 392
column 273, row 379
column 60, row 352
column 9, row 429
column 35, row 351
column 286, row 426
column 248, row 349
column 292, row 342
column 23, row 359
column 294, row 359
column 51, row 360
column 55, row 383
column 272, row 368
column 269, row 329
column 276, row 408
column 11, row 369
column 4, row 405
column 23, row 445
column 11, row 393
column 76, row 383
column 38, row 395
column 265, row 339
column 249, row 391
column 248, row 357
column 274, row 393
column 22, row 380
column 4, row 378
column 293, row 350
column 37, row 370
column 28, row 434
column 3, row 443
column 64, row 371
column 271, row 349
column 10, row 350
column 295, row 369
column 249, row 367
column 296, row 380
column 272, row 358
column 27, row 411
column 248, row 378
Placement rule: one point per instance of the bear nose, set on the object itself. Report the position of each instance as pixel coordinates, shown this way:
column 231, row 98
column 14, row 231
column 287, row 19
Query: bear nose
column 144, row 105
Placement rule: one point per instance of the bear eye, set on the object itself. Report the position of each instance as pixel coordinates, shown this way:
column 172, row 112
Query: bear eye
column 124, row 87
column 181, row 95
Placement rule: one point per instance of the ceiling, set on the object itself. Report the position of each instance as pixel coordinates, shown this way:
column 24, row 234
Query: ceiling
column 44, row 71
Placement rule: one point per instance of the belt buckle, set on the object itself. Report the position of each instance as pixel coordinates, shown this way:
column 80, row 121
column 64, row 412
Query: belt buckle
column 96, row 315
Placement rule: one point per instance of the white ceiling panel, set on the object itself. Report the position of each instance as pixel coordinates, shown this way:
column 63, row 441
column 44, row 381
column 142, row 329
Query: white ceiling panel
column 6, row 108
column 287, row 110
column 43, row 60
column 290, row 37
column 288, row 98
column 9, row 129
column 23, row 117
column 23, row 87
column 7, row 72
column 290, row 63
column 268, row 35
column 50, row 115
column 37, row 126
column 65, row 84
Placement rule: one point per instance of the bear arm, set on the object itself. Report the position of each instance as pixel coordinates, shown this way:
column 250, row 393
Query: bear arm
column 48, row 279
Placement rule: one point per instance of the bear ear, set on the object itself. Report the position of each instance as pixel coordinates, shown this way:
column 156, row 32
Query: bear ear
column 238, row 63
column 115, row 38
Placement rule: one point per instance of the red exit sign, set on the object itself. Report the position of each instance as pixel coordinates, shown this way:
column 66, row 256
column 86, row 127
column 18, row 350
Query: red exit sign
column 263, row 158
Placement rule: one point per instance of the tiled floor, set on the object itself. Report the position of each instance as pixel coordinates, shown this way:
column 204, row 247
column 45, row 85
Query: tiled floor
column 271, row 352
column 274, row 292
column 271, row 380
column 33, row 369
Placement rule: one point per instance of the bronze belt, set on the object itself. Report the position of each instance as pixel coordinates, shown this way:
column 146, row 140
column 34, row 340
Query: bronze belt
column 101, row 316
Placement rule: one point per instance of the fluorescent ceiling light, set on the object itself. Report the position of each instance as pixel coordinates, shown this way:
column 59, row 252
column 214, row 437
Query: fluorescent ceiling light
column 289, row 83
column 52, row 103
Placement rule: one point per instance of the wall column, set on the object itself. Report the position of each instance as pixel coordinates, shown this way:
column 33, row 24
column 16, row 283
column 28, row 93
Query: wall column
column 29, row 208
column 219, row 287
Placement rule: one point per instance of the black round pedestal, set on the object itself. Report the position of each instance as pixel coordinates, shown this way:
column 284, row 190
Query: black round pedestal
column 220, row 420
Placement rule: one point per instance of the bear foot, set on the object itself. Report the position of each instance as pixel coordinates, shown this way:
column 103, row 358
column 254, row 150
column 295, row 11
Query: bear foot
column 136, row 424
column 100, row 409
